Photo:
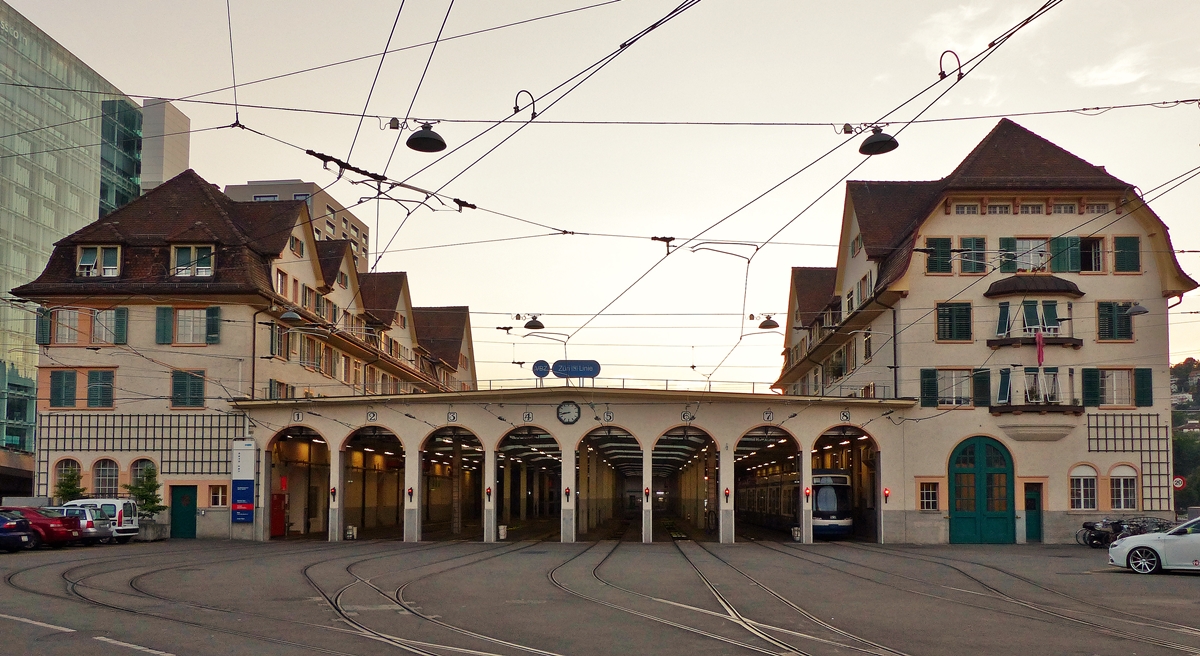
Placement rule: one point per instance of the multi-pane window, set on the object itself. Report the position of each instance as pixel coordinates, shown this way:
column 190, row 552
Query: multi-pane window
column 190, row 326
column 194, row 261
column 1034, row 322
column 343, row 280
column 66, row 326
column 954, row 322
column 974, row 254
column 929, row 496
column 1041, row 385
column 966, row 208
column 856, row 245
column 866, row 350
column 64, row 467
column 104, row 478
column 218, row 495
column 954, row 387
column 100, row 388
column 1032, row 208
column 187, row 389
column 1023, row 254
column 297, row 245
column 103, row 261
column 1124, row 492
column 999, row 208
column 1083, row 488
column 1116, row 386
column 104, row 324
column 937, row 258
column 140, row 468
column 262, row 197
column 62, row 388
column 1091, row 254
column 281, row 283
column 1064, row 208
column 1113, row 321
column 1127, row 254
column 1097, row 208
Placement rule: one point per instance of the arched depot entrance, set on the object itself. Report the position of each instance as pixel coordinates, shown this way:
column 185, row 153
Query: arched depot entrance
column 609, row 485
column 686, row 468
column 846, row 454
column 982, row 508
column 373, row 484
column 451, row 486
column 768, row 484
column 528, row 477
column 299, row 504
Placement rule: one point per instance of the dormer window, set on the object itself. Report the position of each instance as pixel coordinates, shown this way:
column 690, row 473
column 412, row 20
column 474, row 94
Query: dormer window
column 193, row 261
column 343, row 280
column 99, row 261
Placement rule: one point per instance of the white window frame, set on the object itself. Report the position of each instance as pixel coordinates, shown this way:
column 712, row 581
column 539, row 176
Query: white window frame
column 66, row 326
column 1031, row 253
column 1096, row 208
column 95, row 268
column 192, row 268
column 929, row 495
column 1124, row 492
column 1083, row 493
column 966, row 208
column 954, row 388
column 191, row 326
column 1033, row 208
column 104, row 323
column 218, row 496
column 1065, row 208
column 1116, row 387
column 999, row 208
column 258, row 198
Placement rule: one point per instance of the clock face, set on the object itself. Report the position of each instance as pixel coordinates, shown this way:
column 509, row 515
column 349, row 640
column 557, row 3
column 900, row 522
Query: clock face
column 568, row 412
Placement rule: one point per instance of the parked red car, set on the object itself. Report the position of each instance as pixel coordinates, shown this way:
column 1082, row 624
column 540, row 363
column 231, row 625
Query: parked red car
column 47, row 527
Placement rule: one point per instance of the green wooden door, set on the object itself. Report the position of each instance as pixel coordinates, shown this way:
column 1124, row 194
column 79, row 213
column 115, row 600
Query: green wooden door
column 1033, row 512
column 982, row 504
column 183, row 511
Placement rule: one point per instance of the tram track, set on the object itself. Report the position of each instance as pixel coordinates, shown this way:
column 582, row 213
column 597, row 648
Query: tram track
column 1049, row 610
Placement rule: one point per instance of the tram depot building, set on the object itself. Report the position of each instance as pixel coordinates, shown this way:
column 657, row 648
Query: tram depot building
column 987, row 362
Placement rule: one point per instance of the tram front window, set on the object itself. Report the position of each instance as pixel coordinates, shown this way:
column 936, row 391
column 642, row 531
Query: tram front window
column 832, row 499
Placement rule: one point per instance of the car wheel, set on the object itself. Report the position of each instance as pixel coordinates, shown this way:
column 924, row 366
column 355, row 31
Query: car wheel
column 123, row 539
column 35, row 541
column 1144, row 560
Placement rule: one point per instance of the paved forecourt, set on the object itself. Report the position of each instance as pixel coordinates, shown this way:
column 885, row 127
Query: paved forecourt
column 608, row 597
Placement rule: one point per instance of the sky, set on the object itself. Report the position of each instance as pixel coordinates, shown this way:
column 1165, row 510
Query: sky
column 754, row 61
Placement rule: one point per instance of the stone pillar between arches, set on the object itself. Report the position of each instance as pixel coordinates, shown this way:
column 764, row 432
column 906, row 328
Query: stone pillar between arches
column 566, row 508
column 336, row 478
column 647, row 484
column 489, row 503
column 412, row 503
column 725, row 503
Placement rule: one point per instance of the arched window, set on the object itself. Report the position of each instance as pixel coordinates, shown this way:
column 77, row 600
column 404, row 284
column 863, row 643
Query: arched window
column 65, row 466
column 1083, row 488
column 104, row 478
column 139, row 469
column 1123, row 483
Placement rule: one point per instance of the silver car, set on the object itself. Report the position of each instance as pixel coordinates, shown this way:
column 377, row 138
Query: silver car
column 95, row 526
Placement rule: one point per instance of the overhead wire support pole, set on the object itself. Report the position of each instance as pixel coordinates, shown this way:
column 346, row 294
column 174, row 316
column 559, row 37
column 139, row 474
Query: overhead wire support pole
column 232, row 64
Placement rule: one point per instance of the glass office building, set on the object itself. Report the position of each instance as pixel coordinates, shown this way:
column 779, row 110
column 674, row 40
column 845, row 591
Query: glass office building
column 70, row 148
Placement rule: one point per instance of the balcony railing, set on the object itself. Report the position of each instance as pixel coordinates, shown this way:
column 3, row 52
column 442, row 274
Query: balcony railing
column 747, row 387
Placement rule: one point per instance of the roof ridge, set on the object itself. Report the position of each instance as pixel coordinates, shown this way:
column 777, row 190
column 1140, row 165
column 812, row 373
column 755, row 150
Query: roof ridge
column 208, row 189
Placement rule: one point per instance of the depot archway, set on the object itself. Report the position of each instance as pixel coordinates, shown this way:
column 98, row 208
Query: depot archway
column 768, row 484
column 299, row 475
column 846, row 451
column 451, row 486
column 528, row 476
column 684, row 495
column 373, row 483
column 609, row 482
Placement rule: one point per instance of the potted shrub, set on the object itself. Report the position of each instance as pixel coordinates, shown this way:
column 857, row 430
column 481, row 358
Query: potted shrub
column 144, row 491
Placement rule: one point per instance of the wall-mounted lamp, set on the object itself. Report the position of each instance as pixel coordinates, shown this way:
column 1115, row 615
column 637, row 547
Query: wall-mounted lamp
column 333, row 493
column 807, row 493
column 647, row 495
column 567, row 493
column 887, row 493
column 726, row 495
column 489, row 494
column 410, row 494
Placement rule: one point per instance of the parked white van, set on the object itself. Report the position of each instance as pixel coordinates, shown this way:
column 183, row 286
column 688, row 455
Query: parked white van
column 122, row 511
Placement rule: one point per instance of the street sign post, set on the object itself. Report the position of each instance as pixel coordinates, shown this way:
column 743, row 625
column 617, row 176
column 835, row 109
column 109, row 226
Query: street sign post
column 1179, row 483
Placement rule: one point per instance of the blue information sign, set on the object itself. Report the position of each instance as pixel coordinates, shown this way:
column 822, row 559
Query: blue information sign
column 576, row 368
column 242, row 502
column 541, row 368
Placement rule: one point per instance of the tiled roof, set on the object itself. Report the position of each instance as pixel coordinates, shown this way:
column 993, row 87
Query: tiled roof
column 813, row 287
column 441, row 331
column 186, row 209
column 330, row 255
column 381, row 294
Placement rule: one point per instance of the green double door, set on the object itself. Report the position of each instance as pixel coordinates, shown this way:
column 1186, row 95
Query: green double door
column 982, row 503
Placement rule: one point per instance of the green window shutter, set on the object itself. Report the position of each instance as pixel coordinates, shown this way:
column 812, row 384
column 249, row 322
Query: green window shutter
column 1003, row 395
column 1104, row 319
column 100, row 389
column 1002, row 326
column 974, row 254
column 274, row 334
column 272, row 389
column 1050, row 315
column 1091, row 388
column 962, row 322
column 196, row 389
column 164, row 325
column 179, row 388
column 1030, row 311
column 1059, row 259
column 62, row 389
column 212, row 326
column 1122, row 322
column 1143, row 387
column 939, row 260
column 981, row 387
column 1127, row 256
column 121, row 327
column 929, row 388
column 43, row 326
column 954, row 321
column 1008, row 254
column 1074, row 254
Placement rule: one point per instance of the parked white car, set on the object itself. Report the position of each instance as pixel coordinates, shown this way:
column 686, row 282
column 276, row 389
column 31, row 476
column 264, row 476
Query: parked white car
column 124, row 514
column 1151, row 553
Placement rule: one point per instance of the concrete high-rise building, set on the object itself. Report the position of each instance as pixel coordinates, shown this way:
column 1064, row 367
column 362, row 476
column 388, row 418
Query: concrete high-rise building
column 166, row 142
column 70, row 152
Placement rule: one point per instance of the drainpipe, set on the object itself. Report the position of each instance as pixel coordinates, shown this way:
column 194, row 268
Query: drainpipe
column 253, row 349
column 895, row 355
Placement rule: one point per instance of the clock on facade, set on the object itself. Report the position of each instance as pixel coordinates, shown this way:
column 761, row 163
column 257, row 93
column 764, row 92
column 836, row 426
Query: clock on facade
column 568, row 412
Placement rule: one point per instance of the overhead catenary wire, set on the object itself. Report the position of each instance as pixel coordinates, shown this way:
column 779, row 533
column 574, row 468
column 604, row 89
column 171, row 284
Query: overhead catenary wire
column 416, row 91
column 375, row 80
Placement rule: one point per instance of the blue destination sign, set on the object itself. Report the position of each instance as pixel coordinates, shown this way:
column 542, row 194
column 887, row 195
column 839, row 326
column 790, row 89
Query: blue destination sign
column 576, row 368
column 242, row 505
column 541, row 368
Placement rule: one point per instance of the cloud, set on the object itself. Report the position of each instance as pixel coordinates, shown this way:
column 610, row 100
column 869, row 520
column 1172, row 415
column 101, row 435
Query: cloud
column 1126, row 68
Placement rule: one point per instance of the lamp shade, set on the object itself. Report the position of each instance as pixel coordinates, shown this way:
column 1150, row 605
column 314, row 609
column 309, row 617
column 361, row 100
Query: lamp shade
column 768, row 324
column 426, row 140
column 534, row 324
column 878, row 143
column 1136, row 309
column 291, row 317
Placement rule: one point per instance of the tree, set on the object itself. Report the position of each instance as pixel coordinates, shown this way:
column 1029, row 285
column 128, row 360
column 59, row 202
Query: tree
column 144, row 491
column 1187, row 464
column 68, row 487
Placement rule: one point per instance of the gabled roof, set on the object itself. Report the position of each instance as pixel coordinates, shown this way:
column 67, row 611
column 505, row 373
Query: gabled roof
column 813, row 289
column 330, row 255
column 887, row 211
column 381, row 294
column 440, row 330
